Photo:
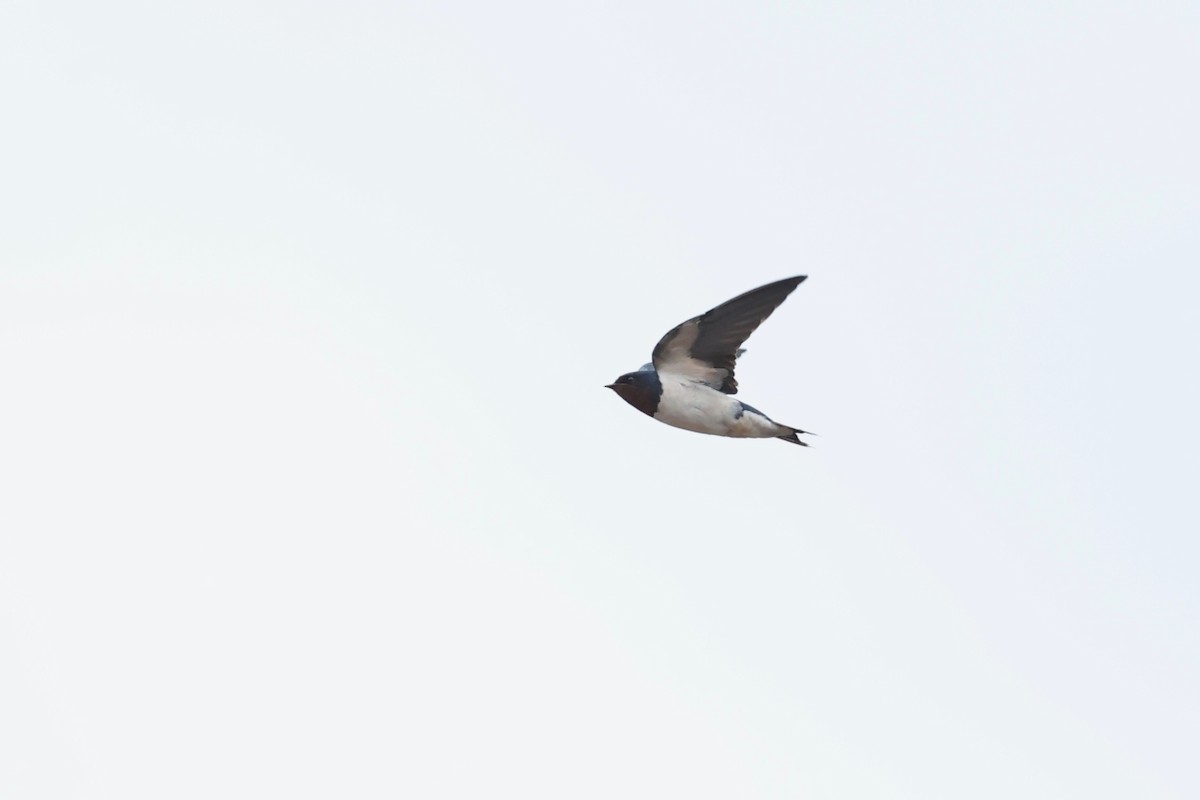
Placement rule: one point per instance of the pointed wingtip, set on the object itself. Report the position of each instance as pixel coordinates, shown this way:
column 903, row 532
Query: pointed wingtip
column 793, row 281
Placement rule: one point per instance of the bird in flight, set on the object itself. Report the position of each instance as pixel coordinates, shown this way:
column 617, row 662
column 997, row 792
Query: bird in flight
column 689, row 381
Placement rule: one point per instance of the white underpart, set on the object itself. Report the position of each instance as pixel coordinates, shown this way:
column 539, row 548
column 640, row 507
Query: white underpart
column 695, row 406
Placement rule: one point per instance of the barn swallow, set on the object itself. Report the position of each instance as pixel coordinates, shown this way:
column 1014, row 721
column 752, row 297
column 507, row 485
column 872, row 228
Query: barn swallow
column 689, row 381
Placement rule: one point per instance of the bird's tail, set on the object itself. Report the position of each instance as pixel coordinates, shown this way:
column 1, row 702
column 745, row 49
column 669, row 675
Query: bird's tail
column 791, row 436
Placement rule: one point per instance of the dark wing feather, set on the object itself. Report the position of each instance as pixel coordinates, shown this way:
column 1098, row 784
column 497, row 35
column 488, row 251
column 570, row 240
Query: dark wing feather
column 706, row 347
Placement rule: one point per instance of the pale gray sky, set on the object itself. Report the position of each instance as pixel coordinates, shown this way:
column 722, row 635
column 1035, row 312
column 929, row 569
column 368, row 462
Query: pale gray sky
column 311, row 487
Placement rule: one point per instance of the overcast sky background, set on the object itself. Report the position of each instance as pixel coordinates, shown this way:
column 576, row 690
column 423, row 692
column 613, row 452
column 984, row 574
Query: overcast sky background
column 310, row 487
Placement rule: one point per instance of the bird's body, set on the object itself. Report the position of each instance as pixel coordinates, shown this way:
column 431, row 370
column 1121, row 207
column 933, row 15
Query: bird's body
column 689, row 383
column 697, row 407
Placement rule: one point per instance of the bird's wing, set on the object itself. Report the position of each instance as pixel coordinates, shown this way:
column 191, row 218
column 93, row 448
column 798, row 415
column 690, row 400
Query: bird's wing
column 705, row 347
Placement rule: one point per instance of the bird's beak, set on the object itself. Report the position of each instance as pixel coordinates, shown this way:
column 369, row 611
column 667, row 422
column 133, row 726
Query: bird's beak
column 610, row 386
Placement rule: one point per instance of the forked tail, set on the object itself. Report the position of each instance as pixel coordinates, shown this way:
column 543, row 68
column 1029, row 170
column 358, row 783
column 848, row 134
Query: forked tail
column 793, row 438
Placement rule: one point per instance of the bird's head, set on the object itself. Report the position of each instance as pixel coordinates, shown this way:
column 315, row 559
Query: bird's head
column 640, row 389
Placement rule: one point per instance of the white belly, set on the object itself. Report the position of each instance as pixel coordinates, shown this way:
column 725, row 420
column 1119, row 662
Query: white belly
column 700, row 408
